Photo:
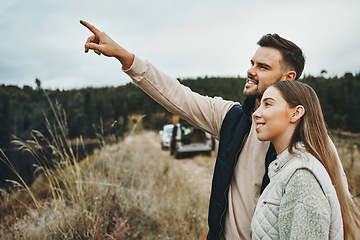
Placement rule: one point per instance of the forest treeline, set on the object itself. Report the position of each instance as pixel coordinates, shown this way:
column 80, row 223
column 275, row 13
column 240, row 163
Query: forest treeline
column 93, row 111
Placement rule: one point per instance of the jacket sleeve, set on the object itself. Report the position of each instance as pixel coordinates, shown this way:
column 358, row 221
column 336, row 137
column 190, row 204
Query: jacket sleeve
column 304, row 209
column 204, row 112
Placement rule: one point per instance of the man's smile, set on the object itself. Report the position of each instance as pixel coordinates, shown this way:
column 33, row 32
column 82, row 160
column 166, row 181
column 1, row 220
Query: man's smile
column 250, row 81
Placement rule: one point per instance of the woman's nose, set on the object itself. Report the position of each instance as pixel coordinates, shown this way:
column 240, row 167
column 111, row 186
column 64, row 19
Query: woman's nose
column 256, row 114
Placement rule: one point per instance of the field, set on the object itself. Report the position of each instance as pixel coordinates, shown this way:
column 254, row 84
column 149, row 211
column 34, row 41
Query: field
column 128, row 190
column 348, row 147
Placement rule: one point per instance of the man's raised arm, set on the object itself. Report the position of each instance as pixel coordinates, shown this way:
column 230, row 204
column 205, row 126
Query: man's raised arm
column 203, row 112
column 101, row 43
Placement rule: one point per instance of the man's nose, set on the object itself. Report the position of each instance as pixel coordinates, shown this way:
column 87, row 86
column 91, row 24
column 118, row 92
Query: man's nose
column 251, row 71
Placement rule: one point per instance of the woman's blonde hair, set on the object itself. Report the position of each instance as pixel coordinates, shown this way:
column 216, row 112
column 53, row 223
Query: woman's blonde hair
column 312, row 131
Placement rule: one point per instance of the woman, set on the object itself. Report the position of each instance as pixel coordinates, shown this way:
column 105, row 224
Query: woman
column 305, row 198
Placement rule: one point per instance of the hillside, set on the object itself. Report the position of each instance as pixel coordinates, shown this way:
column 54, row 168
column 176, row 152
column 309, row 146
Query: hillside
column 129, row 190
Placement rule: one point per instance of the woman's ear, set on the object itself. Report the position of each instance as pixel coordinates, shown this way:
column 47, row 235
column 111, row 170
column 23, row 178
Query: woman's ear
column 297, row 113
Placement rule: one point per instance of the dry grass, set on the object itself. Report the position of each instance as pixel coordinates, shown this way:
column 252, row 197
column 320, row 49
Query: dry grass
column 348, row 147
column 130, row 190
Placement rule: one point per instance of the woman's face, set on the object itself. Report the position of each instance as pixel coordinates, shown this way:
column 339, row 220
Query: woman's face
column 274, row 118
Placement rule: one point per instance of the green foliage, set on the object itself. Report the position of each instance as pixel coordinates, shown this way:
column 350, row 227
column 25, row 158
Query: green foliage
column 229, row 88
column 22, row 109
column 339, row 100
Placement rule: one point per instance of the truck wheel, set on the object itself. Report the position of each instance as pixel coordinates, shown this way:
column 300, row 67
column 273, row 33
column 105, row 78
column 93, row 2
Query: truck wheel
column 178, row 155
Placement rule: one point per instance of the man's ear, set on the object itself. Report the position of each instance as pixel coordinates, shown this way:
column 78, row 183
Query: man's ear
column 297, row 113
column 289, row 76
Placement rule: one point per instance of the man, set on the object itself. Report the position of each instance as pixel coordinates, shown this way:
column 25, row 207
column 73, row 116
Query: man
column 241, row 164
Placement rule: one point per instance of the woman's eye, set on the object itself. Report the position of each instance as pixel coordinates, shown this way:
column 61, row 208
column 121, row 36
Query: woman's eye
column 267, row 104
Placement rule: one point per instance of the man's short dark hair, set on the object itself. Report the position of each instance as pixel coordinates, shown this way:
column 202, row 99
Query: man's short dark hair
column 292, row 55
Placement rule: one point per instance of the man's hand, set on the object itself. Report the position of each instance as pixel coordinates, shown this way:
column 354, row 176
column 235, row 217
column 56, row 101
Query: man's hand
column 101, row 43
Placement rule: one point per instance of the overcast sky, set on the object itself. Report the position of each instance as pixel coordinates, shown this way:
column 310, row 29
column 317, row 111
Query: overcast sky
column 188, row 38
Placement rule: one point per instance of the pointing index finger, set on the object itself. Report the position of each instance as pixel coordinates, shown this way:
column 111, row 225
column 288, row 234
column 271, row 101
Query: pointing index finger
column 93, row 29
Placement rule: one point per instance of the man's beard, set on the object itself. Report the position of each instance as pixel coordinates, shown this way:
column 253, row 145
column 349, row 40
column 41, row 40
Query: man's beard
column 257, row 93
column 254, row 93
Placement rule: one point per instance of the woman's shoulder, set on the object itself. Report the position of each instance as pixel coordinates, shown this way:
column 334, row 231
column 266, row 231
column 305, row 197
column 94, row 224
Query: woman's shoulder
column 303, row 178
column 304, row 188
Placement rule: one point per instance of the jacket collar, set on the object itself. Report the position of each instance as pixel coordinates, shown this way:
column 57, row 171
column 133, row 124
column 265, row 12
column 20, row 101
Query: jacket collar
column 282, row 159
column 248, row 107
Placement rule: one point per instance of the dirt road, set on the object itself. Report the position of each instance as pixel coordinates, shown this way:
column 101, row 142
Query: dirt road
column 197, row 170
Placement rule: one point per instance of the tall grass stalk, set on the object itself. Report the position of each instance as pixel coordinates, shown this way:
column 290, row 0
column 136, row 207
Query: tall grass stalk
column 23, row 184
